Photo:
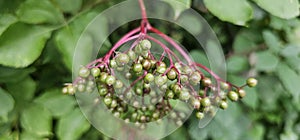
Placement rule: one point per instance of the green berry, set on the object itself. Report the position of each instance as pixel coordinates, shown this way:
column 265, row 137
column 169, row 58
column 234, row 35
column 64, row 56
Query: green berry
column 195, row 78
column 103, row 91
column 71, row 90
column 95, row 72
column 199, row 115
column 65, row 90
column 81, row 88
column 196, row 103
column 122, row 59
column 225, row 85
column 176, row 88
column 137, row 68
column 110, row 80
column 251, row 82
column 107, row 101
column 118, row 84
column 223, row 105
column 145, row 44
column 161, row 69
column 233, row 96
column 113, row 63
column 160, row 80
column 170, row 94
column 114, row 104
column 172, row 74
column 242, row 93
column 205, row 102
column 84, row 72
column 131, row 55
column 184, row 95
column 184, row 78
column 206, row 82
column 146, row 64
column 103, row 76
column 149, row 78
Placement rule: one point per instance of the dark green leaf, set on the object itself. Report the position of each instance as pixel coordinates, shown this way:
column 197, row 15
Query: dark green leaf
column 22, row 44
column 7, row 73
column 6, row 104
column 72, row 126
column 251, row 98
column 22, row 90
column 67, row 7
column 282, row 8
column 41, row 11
column 36, row 119
column 56, row 102
column 235, row 11
column 245, row 41
column 179, row 6
column 272, row 41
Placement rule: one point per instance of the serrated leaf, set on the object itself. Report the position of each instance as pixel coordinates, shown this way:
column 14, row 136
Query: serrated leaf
column 36, row 119
column 41, row 11
column 179, row 6
column 5, row 21
column 236, row 64
column 289, row 78
column 272, row 41
column 266, row 61
column 6, row 104
column 282, row 8
column 22, row 44
column 238, row 12
column 72, row 126
column 56, row 102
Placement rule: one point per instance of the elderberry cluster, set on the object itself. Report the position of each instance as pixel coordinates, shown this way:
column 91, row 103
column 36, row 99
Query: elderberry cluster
column 140, row 88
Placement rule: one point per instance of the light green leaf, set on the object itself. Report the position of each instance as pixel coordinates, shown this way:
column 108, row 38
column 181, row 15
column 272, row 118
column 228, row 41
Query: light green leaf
column 22, row 44
column 5, row 21
column 41, row 11
column 6, row 104
column 290, row 79
column 266, row 61
column 235, row 11
column 236, row 64
column 251, row 99
column 67, row 7
column 179, row 6
column 30, row 136
column 36, row 119
column 272, row 41
column 245, row 41
column 286, row 9
column 56, row 102
column 72, row 126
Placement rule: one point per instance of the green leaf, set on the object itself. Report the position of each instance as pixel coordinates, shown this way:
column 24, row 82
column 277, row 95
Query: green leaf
column 41, row 11
column 266, row 61
column 29, row 136
column 6, row 73
column 22, row 44
column 179, row 6
column 6, row 104
column 5, row 21
column 286, row 9
column 290, row 79
column 36, row 119
column 245, row 41
column 272, row 41
column 235, row 11
column 67, row 38
column 23, row 89
column 56, row 102
column 67, row 7
column 236, row 64
column 251, row 99
column 72, row 126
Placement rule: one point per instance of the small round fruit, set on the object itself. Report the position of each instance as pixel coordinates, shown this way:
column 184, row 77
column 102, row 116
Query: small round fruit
column 206, row 82
column 160, row 80
column 107, row 101
column 71, row 90
column 242, row 93
column 81, row 88
column 146, row 64
column 176, row 88
column 195, row 78
column 113, row 63
column 65, row 90
column 145, row 44
column 196, row 103
column 170, row 94
column 103, row 91
column 251, row 82
column 223, row 105
column 131, row 55
column 199, row 115
column 225, row 85
column 103, row 76
column 110, row 80
column 137, row 67
column 149, row 78
column 95, row 72
column 161, row 69
column 84, row 72
column 114, row 104
column 122, row 59
column 233, row 96
column 205, row 102
column 118, row 84
column 172, row 74
column 184, row 95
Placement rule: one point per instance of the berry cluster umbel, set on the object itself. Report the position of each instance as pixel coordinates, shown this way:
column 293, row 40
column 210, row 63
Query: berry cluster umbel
column 154, row 82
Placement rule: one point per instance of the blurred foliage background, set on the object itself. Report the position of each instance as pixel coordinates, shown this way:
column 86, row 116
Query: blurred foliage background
column 260, row 38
